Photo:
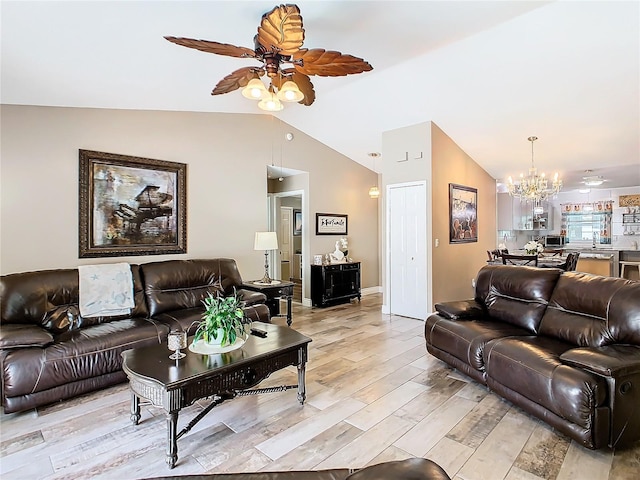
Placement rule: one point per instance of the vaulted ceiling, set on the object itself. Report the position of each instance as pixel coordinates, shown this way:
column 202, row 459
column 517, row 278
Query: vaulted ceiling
column 489, row 73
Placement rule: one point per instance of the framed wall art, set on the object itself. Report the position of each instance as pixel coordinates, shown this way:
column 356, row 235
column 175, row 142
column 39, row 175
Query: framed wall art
column 131, row 206
column 331, row 224
column 297, row 223
column 463, row 214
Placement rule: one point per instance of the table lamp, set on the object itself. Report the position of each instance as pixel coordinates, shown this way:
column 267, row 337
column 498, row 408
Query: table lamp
column 266, row 241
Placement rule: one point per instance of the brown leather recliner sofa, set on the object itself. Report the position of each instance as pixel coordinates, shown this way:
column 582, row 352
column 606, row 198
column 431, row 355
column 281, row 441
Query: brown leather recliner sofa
column 48, row 352
column 409, row 469
column 563, row 346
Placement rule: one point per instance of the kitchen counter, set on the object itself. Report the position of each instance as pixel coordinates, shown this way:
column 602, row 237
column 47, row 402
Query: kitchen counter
column 592, row 259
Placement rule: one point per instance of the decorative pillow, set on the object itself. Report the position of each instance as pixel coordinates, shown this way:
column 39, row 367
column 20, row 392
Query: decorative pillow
column 21, row 336
column 62, row 318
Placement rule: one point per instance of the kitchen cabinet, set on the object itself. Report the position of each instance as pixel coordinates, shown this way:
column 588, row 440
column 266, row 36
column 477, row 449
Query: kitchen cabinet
column 514, row 214
column 505, row 212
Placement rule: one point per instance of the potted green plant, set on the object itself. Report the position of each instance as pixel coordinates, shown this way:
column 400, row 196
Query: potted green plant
column 222, row 321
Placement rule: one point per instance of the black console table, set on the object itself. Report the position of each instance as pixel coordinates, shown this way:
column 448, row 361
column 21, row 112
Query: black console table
column 335, row 283
column 278, row 289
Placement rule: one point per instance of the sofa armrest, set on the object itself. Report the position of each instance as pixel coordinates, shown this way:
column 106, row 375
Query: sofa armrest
column 609, row 361
column 251, row 298
column 22, row 336
column 409, row 469
column 619, row 365
column 460, row 310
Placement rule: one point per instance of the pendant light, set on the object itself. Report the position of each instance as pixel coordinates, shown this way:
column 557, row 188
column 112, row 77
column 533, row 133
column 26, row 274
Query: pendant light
column 374, row 191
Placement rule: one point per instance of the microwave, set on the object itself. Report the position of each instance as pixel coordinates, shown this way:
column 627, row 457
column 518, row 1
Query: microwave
column 554, row 241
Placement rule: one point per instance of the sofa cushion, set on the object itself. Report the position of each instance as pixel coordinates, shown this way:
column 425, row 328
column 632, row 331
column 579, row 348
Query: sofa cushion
column 532, row 367
column 49, row 298
column 75, row 355
column 23, row 336
column 516, row 295
column 466, row 339
column 177, row 284
column 593, row 311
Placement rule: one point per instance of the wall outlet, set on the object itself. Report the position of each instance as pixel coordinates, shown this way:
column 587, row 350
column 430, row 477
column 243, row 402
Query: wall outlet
column 437, row 242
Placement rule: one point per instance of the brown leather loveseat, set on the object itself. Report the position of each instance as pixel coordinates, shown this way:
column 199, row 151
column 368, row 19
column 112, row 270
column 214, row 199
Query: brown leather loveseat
column 48, row 352
column 563, row 346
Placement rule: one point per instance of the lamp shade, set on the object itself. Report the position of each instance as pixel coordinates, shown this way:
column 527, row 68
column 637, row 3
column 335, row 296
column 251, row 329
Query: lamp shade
column 255, row 90
column 289, row 92
column 270, row 103
column 266, row 241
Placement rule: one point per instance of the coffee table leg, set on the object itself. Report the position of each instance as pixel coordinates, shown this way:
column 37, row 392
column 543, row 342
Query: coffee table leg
column 135, row 409
column 172, row 441
column 302, row 393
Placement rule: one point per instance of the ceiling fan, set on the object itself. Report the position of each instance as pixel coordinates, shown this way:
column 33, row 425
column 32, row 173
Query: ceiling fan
column 278, row 44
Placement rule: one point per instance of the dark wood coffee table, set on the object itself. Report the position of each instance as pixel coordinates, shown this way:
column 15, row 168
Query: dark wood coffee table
column 175, row 384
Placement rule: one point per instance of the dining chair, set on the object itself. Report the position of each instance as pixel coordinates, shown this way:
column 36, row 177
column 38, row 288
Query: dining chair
column 553, row 252
column 572, row 261
column 530, row 260
column 495, row 254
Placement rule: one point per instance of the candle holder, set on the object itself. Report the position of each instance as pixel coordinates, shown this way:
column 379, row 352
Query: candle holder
column 176, row 341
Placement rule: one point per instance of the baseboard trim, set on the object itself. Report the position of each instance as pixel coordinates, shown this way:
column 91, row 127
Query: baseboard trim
column 370, row 290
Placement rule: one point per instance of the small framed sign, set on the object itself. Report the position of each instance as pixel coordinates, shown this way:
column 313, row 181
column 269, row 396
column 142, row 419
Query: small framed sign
column 331, row 224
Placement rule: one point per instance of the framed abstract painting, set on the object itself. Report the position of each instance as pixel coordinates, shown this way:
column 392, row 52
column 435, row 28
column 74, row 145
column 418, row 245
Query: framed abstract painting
column 131, row 206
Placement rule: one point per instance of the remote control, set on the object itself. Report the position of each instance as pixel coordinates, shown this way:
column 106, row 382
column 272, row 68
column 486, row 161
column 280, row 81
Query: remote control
column 258, row 332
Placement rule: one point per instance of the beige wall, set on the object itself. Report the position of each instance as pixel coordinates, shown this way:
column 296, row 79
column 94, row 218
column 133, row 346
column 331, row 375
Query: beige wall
column 226, row 154
column 423, row 152
column 406, row 157
column 455, row 265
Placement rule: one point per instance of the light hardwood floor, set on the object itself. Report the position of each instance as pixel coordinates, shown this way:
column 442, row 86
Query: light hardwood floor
column 373, row 394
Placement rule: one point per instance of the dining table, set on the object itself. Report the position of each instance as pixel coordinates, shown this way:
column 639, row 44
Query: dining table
column 544, row 260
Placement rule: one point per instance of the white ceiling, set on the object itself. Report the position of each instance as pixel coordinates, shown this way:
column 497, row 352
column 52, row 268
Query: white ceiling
column 489, row 73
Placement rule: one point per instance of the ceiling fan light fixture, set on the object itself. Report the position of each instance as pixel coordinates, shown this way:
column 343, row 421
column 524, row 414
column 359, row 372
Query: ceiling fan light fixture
column 270, row 103
column 593, row 181
column 289, row 92
column 279, row 40
column 255, row 90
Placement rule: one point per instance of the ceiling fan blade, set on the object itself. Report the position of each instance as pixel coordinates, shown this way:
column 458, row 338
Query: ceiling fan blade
column 237, row 79
column 306, row 87
column 327, row 63
column 214, row 47
column 281, row 30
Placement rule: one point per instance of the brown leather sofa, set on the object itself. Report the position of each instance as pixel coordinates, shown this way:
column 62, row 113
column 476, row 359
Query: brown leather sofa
column 409, row 469
column 48, row 352
column 563, row 346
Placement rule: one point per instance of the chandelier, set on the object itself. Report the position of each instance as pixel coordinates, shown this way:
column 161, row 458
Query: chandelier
column 535, row 187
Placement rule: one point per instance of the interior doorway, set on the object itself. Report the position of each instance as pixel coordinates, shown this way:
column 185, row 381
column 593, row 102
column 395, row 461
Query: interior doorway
column 286, row 219
column 407, row 249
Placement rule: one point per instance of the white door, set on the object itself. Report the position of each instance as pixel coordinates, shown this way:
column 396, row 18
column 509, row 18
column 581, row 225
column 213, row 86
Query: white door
column 285, row 241
column 407, row 261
